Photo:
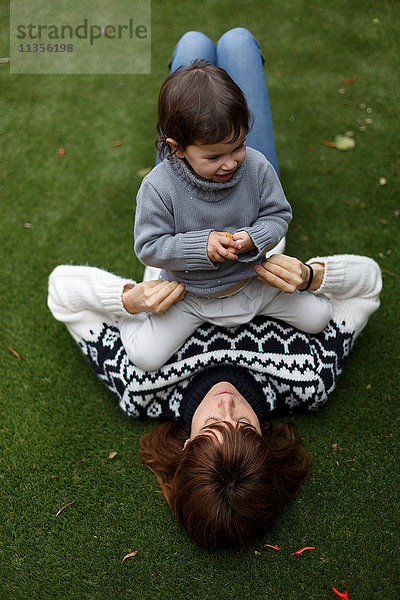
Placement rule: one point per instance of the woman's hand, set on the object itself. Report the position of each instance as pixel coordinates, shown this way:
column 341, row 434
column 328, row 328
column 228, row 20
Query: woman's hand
column 151, row 296
column 289, row 274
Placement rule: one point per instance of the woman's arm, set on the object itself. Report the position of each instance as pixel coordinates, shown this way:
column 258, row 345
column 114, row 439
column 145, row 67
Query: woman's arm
column 289, row 274
column 151, row 296
column 90, row 302
column 351, row 283
column 84, row 298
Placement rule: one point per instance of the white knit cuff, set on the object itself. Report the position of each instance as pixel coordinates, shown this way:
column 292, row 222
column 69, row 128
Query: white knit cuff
column 334, row 273
column 111, row 294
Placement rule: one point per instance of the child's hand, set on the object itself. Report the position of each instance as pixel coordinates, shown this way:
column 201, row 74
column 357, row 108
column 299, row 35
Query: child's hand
column 245, row 241
column 220, row 247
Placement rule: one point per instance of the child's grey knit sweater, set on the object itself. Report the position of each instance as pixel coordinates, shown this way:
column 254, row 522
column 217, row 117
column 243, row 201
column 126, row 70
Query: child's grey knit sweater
column 176, row 211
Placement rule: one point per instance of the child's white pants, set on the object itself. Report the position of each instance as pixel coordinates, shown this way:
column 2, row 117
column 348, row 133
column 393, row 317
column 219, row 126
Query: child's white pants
column 150, row 340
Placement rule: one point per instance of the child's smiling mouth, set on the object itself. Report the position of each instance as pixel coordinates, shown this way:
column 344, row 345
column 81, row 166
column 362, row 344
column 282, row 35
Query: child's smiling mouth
column 226, row 176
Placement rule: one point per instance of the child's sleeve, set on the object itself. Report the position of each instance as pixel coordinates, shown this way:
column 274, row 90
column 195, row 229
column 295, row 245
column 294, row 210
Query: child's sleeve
column 274, row 215
column 157, row 244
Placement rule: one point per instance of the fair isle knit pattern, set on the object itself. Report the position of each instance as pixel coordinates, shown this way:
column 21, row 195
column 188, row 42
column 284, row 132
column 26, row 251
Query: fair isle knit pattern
column 296, row 370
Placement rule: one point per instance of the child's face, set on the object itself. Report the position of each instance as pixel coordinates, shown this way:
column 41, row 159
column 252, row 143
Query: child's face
column 215, row 162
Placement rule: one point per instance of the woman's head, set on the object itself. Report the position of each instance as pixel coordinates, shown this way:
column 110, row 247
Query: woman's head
column 200, row 105
column 228, row 484
column 223, row 403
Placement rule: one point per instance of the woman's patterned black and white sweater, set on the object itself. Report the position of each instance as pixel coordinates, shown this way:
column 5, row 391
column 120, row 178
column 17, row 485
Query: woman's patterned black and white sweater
column 295, row 369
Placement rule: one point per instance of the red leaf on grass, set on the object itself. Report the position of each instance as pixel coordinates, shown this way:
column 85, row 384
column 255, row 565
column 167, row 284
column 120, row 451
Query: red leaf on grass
column 129, row 555
column 14, row 352
column 330, row 144
column 61, row 152
column 349, row 80
column 300, row 552
column 343, row 596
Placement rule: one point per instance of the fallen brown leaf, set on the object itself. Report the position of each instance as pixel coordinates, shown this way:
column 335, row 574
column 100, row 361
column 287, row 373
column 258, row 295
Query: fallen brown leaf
column 391, row 273
column 130, row 555
column 63, row 507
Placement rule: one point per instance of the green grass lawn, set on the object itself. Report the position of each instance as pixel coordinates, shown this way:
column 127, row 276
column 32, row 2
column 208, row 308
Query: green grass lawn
column 58, row 425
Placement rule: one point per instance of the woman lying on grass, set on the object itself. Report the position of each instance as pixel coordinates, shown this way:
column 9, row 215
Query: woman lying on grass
column 225, row 473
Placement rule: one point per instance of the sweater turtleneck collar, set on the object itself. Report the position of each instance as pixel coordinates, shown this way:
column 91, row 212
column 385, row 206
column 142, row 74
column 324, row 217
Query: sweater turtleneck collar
column 213, row 191
column 243, row 381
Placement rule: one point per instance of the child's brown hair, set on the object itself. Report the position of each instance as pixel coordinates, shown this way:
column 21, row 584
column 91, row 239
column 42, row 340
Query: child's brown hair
column 200, row 104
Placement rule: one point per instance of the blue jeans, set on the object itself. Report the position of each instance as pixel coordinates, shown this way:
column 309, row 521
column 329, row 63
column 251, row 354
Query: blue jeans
column 238, row 53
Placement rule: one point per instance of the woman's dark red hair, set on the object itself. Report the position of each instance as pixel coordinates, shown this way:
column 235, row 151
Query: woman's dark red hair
column 226, row 492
